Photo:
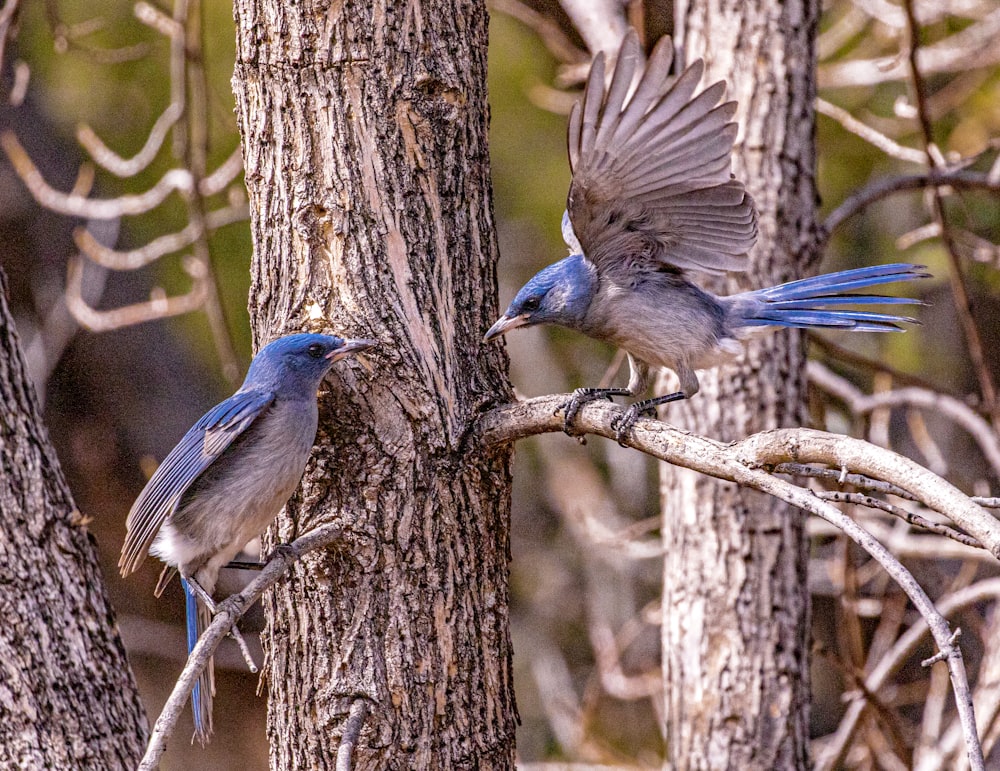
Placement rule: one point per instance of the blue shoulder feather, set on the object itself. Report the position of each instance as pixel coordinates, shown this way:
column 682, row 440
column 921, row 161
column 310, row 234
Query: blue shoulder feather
column 194, row 453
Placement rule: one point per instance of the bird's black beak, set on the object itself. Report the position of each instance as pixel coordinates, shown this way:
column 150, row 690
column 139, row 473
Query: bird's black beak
column 349, row 347
column 504, row 324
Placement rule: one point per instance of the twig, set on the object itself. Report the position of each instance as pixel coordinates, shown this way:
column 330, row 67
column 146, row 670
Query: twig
column 881, row 188
column 230, row 611
column 833, row 753
column 941, row 404
column 548, row 31
column 898, row 511
column 74, row 205
column 160, row 307
column 134, row 259
column 352, row 730
column 841, row 353
column 960, row 291
column 129, row 167
column 867, row 133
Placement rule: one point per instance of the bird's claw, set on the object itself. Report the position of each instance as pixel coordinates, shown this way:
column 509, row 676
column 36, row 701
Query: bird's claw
column 624, row 423
column 571, row 408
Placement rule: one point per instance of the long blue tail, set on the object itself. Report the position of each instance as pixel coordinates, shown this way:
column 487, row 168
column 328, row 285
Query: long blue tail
column 805, row 303
column 197, row 618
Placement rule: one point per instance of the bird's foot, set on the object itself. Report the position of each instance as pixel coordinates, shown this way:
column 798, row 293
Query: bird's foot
column 582, row 396
column 624, row 423
column 234, row 630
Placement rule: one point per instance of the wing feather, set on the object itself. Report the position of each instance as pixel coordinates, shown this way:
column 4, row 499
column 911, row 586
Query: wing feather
column 652, row 184
column 196, row 451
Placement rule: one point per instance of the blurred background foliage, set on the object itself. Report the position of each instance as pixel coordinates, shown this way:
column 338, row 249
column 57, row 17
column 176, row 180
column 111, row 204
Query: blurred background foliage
column 117, row 401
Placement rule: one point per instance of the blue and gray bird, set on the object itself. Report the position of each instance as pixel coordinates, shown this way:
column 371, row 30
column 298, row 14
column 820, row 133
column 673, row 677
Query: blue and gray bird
column 228, row 478
column 652, row 199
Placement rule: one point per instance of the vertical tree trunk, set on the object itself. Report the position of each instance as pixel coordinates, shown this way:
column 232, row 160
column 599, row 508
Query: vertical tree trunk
column 67, row 698
column 365, row 141
column 736, row 602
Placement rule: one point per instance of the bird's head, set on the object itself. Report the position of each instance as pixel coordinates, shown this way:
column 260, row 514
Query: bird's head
column 558, row 294
column 300, row 362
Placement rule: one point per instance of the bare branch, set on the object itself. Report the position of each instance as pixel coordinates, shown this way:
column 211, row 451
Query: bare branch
column 129, row 167
column 159, row 307
column 869, row 134
column 959, row 286
column 833, row 753
column 352, row 731
column 74, row 205
column 601, row 23
column 548, row 31
column 898, row 511
column 158, row 247
column 963, row 180
column 230, row 611
column 219, row 179
column 860, row 403
column 744, row 462
column 975, row 46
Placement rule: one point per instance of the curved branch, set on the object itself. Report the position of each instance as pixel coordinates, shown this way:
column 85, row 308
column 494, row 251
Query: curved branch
column 833, row 754
column 964, row 180
column 743, row 461
column 230, row 611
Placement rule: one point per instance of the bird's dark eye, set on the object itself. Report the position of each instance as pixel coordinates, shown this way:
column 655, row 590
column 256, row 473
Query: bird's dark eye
column 315, row 350
column 531, row 304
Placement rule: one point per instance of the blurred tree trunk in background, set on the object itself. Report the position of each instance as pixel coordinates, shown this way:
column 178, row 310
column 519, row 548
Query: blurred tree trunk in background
column 67, row 697
column 364, row 133
column 736, row 598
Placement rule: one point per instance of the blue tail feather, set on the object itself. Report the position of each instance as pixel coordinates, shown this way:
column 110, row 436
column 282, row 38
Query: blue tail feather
column 196, row 621
column 805, row 303
column 843, row 281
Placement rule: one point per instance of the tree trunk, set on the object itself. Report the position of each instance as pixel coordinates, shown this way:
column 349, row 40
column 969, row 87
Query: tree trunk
column 364, row 132
column 736, row 601
column 67, row 698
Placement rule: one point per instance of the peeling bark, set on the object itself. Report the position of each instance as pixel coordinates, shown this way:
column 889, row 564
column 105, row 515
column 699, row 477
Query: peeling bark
column 67, row 697
column 364, row 133
column 736, row 601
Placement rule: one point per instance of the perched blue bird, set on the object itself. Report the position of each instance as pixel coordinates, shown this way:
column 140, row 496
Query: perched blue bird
column 228, row 477
column 652, row 197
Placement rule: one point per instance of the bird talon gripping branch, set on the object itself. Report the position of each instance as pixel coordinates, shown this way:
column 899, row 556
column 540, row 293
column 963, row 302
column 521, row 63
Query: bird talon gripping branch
column 227, row 478
column 653, row 199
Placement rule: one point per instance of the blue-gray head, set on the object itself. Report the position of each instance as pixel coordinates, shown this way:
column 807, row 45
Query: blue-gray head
column 295, row 364
column 558, row 294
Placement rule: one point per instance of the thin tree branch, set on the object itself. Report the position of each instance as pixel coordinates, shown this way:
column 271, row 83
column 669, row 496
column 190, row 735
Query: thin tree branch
column 909, row 517
column 352, row 731
column 134, row 259
column 744, row 462
column 960, row 290
column 74, row 205
column 230, row 611
column 861, row 403
column 866, row 483
column 867, row 133
column 882, row 188
column 832, row 755
column 129, row 167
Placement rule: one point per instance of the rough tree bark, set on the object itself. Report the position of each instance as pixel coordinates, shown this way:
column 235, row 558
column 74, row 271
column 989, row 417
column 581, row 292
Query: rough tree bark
column 67, row 697
column 364, row 131
column 736, row 601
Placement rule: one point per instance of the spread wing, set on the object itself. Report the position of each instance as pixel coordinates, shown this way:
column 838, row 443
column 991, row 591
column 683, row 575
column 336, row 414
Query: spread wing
column 196, row 451
column 652, row 185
